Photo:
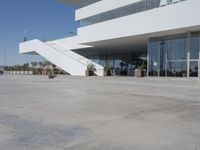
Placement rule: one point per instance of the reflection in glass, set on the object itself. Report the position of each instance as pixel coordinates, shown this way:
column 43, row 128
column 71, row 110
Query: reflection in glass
column 102, row 60
column 177, row 47
column 154, row 48
column 122, row 63
column 194, row 69
column 168, row 55
column 194, row 46
column 177, row 69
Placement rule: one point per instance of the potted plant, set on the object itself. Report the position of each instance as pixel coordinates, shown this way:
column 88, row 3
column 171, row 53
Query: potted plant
column 90, row 70
column 108, row 70
column 141, row 70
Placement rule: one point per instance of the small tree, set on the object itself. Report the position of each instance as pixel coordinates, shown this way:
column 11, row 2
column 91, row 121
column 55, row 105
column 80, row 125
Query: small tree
column 90, row 69
column 25, row 66
column 54, row 68
column 108, row 67
column 41, row 65
column 34, row 64
column 108, row 70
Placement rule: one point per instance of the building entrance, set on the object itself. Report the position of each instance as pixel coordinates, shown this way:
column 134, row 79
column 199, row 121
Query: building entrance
column 122, row 64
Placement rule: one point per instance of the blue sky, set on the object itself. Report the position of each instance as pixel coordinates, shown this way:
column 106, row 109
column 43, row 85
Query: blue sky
column 42, row 19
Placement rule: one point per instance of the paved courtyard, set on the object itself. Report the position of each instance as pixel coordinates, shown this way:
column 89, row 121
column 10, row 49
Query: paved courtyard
column 99, row 113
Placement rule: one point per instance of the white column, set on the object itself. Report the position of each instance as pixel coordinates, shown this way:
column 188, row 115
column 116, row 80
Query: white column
column 199, row 66
column 188, row 57
column 166, row 63
column 199, row 59
column 188, row 64
column 148, row 59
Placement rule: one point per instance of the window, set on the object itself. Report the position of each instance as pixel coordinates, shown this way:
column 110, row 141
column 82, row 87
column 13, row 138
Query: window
column 177, row 47
column 194, row 46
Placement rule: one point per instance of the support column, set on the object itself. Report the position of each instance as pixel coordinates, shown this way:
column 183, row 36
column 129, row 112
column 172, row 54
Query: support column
column 166, row 63
column 199, row 59
column 148, row 59
column 188, row 56
column 199, row 66
column 188, row 64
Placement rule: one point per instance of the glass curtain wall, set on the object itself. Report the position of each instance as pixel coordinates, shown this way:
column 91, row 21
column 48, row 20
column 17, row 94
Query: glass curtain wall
column 177, row 55
column 122, row 63
column 174, row 56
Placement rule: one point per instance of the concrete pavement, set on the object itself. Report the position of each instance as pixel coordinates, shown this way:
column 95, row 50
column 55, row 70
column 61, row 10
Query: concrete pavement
column 99, row 113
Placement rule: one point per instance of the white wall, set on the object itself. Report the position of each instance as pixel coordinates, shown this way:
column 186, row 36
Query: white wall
column 181, row 15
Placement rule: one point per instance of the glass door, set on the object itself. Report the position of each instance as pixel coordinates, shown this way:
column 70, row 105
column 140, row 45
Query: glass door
column 157, row 56
column 194, row 54
column 194, row 68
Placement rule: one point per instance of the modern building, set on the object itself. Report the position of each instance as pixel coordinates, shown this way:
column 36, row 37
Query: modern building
column 127, row 34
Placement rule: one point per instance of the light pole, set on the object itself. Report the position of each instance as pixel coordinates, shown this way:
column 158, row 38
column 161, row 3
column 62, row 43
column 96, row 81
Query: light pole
column 5, row 55
column 25, row 39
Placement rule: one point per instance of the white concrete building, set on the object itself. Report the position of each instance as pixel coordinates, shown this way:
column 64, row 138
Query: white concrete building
column 127, row 34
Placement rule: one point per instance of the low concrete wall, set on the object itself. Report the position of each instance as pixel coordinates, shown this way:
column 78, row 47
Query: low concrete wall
column 19, row 72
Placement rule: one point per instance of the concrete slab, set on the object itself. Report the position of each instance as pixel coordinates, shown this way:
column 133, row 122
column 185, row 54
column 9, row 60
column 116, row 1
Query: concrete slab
column 99, row 113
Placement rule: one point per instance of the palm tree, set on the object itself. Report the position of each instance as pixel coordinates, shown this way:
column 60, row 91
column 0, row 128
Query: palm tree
column 25, row 66
column 47, row 64
column 41, row 65
column 34, row 64
column 54, row 68
column 48, row 67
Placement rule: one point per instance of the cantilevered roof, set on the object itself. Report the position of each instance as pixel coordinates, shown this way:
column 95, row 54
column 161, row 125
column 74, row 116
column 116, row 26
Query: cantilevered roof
column 80, row 3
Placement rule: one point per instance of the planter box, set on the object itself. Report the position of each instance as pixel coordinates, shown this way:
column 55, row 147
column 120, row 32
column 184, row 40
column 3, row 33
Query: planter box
column 107, row 73
column 30, row 72
column 89, row 73
column 139, row 73
column 143, row 73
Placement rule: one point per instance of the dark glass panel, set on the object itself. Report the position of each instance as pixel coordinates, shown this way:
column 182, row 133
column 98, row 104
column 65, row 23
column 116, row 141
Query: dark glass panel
column 150, row 4
column 194, row 69
column 194, row 46
column 154, row 64
column 102, row 60
column 177, row 69
column 177, row 47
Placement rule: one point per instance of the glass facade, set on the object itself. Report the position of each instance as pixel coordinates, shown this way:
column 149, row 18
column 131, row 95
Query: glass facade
column 174, row 56
column 194, row 46
column 136, row 7
column 122, row 64
column 167, row 56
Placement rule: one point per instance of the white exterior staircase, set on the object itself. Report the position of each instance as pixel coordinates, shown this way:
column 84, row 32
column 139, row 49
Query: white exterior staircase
column 68, row 60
